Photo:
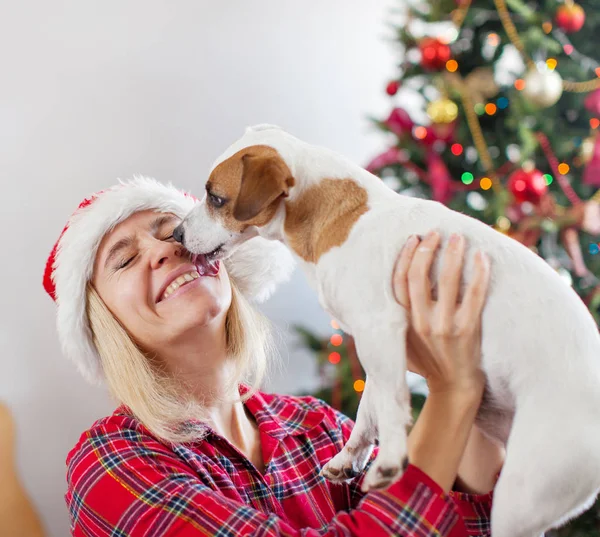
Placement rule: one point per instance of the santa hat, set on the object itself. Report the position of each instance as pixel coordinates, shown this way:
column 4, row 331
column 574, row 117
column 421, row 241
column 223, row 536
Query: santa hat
column 256, row 267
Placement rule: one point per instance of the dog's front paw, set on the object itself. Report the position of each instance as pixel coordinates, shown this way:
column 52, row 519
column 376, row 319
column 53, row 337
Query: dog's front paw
column 336, row 474
column 380, row 475
column 345, row 466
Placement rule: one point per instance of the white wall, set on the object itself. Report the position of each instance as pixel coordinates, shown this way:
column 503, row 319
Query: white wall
column 92, row 91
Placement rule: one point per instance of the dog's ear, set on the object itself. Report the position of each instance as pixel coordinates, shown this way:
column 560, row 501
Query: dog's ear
column 264, row 179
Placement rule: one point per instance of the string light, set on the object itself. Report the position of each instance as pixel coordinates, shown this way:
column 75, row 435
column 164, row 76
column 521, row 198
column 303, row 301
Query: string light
column 502, row 103
column 597, row 71
column 568, row 48
column 493, row 39
column 475, row 128
column 520, row 84
column 551, row 63
column 467, row 178
column 485, row 183
column 334, row 324
column 452, row 65
column 359, row 385
column 334, row 357
column 420, row 132
column 594, row 248
column 479, row 109
column 456, row 149
column 490, row 109
column 563, row 168
column 503, row 223
column 547, row 27
column 548, row 178
column 594, row 123
column 336, row 340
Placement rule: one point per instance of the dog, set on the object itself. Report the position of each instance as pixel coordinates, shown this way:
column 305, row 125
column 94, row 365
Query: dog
column 540, row 345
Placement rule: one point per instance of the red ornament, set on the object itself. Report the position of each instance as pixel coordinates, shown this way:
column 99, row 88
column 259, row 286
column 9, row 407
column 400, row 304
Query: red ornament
column 392, row 88
column 570, row 17
column 527, row 185
column 434, row 53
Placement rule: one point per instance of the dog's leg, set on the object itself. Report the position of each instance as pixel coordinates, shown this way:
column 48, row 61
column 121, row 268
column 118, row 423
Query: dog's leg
column 349, row 462
column 393, row 416
column 551, row 472
column 382, row 352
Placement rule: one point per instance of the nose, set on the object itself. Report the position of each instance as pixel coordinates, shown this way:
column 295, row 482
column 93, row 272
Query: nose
column 178, row 233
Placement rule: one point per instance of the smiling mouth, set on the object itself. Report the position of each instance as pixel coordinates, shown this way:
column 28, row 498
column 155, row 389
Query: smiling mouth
column 204, row 267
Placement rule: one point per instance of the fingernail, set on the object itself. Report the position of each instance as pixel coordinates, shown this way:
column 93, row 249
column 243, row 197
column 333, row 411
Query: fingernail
column 454, row 238
column 432, row 235
column 412, row 241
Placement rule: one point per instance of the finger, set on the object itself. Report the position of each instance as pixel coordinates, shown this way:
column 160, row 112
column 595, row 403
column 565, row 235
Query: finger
column 450, row 276
column 419, row 285
column 400, row 276
column 476, row 291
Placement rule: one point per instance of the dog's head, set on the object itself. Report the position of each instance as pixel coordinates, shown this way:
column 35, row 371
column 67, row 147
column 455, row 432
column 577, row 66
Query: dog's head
column 244, row 192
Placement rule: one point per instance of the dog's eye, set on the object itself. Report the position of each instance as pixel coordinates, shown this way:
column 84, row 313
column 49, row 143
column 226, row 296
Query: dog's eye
column 216, row 201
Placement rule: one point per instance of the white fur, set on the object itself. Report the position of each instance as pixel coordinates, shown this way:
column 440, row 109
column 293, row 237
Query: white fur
column 541, row 348
column 256, row 267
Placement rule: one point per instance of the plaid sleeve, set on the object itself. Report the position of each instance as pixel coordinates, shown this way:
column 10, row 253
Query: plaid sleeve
column 475, row 510
column 121, row 482
column 425, row 508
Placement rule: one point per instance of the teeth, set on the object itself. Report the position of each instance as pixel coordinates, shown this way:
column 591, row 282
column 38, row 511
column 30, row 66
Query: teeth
column 183, row 279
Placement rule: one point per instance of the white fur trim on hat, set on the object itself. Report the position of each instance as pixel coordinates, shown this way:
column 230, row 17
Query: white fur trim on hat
column 256, row 267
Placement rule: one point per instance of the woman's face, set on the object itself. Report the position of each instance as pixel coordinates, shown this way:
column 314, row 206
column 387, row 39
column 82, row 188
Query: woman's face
column 152, row 286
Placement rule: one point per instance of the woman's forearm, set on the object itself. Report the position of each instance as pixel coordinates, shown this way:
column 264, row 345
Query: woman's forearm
column 438, row 438
column 481, row 462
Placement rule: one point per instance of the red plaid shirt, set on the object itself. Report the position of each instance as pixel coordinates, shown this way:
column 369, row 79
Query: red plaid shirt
column 124, row 482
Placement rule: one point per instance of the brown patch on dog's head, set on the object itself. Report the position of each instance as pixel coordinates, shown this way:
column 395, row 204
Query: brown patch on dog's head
column 323, row 215
column 251, row 182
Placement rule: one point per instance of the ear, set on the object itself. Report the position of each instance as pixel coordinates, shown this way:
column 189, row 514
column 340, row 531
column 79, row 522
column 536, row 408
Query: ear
column 264, row 179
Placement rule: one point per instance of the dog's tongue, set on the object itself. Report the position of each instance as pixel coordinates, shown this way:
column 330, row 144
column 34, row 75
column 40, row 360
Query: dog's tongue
column 206, row 267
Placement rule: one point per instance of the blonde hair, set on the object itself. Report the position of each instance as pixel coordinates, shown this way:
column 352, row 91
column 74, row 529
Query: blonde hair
column 157, row 400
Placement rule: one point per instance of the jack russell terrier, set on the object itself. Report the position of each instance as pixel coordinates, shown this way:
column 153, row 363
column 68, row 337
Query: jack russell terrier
column 540, row 345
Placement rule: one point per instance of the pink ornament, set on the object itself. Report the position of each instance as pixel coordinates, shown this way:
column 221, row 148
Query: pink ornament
column 439, row 178
column 592, row 102
column 591, row 174
column 392, row 156
column 399, row 122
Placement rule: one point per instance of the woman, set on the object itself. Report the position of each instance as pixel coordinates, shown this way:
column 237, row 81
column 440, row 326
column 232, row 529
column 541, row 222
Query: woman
column 194, row 448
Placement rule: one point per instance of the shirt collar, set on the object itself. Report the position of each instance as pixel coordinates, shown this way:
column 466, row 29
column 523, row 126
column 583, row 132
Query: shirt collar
column 281, row 415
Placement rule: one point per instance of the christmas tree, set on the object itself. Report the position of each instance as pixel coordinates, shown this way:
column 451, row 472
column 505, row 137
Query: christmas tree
column 502, row 125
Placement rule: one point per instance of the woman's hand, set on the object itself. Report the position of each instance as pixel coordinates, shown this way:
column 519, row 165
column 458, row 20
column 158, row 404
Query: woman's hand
column 444, row 336
column 444, row 346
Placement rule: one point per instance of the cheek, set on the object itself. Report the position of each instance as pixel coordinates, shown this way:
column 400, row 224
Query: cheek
column 125, row 297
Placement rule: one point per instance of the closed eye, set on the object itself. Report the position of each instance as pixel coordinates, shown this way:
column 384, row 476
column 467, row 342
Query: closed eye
column 124, row 263
column 216, row 201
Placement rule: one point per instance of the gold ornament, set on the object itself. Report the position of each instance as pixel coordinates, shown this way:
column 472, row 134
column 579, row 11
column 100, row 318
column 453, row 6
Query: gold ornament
column 442, row 111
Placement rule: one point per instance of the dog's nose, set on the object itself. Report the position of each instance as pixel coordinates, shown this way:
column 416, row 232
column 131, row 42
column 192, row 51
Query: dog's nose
column 178, row 233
